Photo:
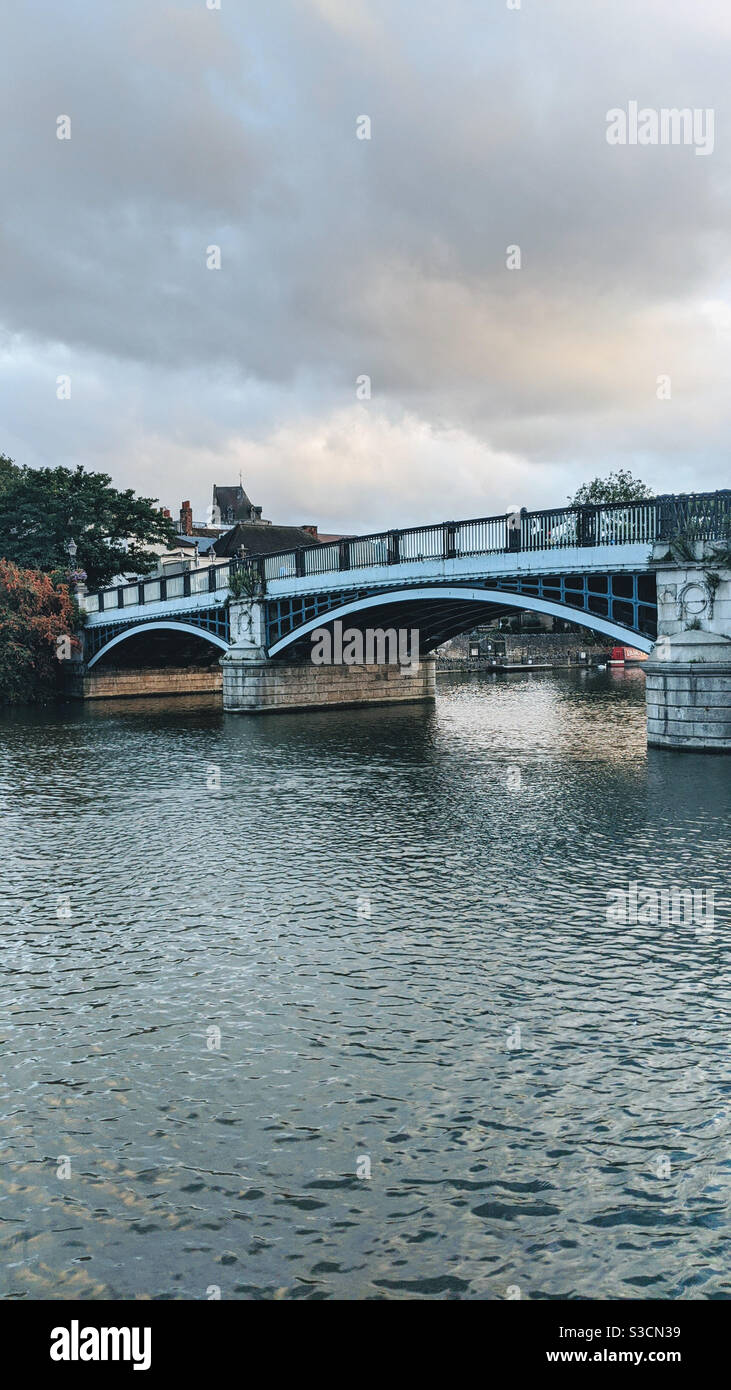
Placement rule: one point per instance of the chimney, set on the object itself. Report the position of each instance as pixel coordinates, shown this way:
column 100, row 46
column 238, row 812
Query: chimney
column 186, row 519
column 311, row 530
column 166, row 512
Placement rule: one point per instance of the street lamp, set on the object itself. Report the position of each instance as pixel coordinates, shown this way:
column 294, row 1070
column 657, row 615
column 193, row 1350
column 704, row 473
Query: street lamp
column 77, row 578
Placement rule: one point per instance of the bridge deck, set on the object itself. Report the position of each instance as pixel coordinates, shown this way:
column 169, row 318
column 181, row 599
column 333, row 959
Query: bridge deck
column 609, row 559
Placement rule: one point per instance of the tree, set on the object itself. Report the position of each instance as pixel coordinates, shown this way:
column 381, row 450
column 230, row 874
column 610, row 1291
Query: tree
column 41, row 509
column 37, row 620
column 616, row 487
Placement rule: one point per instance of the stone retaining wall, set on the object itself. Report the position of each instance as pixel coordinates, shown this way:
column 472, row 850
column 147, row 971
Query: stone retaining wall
column 111, row 684
column 558, row 648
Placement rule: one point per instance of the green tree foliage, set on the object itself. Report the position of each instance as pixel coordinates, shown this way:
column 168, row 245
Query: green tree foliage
column 41, row 509
column 616, row 487
column 34, row 613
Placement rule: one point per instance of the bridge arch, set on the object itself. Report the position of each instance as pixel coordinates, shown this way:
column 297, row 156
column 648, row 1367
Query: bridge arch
column 137, row 629
column 499, row 598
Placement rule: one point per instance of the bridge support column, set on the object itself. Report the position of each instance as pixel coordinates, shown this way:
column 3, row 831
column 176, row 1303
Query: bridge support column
column 256, row 687
column 254, row 684
column 248, row 630
column 688, row 675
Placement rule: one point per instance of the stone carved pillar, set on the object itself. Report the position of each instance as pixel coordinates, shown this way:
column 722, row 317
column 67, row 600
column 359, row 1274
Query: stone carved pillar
column 688, row 686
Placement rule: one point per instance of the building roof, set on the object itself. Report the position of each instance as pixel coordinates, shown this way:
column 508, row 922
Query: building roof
column 235, row 501
column 261, row 539
column 205, row 543
column 184, row 542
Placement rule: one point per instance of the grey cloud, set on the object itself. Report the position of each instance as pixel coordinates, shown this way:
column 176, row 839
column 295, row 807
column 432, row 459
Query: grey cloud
column 192, row 127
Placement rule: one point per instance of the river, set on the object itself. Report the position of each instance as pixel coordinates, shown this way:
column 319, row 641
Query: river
column 330, row 1005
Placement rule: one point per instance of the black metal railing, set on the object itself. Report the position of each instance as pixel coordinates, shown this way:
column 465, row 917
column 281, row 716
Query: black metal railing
column 695, row 516
column 162, row 588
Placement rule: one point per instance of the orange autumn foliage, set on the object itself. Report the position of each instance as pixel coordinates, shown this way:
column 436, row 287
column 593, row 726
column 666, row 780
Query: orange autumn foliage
column 34, row 613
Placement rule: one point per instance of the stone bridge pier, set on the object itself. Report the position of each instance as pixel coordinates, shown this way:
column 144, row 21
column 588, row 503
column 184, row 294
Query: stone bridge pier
column 253, row 683
column 688, row 675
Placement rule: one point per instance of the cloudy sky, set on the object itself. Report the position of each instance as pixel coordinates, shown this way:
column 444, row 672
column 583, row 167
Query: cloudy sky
column 383, row 257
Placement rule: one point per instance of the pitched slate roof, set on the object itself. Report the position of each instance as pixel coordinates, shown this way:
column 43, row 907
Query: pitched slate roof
column 235, row 499
column 204, row 543
column 261, row 539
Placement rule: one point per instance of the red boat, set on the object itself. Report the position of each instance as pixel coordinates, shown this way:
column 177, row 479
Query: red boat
column 622, row 655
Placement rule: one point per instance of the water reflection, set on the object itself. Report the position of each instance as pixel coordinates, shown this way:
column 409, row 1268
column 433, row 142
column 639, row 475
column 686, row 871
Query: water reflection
column 369, row 907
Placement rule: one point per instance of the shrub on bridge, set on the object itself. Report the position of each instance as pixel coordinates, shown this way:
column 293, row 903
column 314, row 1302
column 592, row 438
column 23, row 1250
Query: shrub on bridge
column 35, row 612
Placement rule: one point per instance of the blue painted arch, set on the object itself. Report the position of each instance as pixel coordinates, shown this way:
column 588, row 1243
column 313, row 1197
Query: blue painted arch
column 137, row 628
column 501, row 598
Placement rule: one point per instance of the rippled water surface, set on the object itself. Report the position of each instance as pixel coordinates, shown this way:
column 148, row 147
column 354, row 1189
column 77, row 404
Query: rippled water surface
column 368, row 909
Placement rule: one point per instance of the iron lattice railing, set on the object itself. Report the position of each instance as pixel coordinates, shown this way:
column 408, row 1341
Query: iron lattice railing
column 697, row 516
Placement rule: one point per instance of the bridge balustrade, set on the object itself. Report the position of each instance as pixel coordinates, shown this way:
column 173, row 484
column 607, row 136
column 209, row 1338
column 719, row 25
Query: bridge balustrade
column 368, row 550
column 320, row 559
column 549, row 530
column 283, row 566
column 480, row 537
column 426, row 543
column 699, row 516
column 626, row 525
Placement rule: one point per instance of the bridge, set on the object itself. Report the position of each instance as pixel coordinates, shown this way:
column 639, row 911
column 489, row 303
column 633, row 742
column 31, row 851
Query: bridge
column 597, row 566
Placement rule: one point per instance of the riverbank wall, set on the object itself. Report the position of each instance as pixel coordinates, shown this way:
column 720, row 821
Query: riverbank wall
column 115, row 684
column 522, row 649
